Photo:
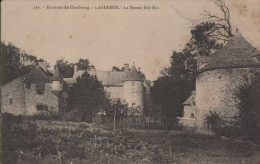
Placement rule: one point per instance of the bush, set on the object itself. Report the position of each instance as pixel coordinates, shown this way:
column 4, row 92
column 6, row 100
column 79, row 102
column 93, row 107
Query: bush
column 15, row 137
column 249, row 111
column 244, row 125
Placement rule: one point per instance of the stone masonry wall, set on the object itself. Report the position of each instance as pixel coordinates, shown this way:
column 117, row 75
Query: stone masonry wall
column 114, row 92
column 216, row 91
column 47, row 98
column 133, row 93
column 12, row 97
column 188, row 110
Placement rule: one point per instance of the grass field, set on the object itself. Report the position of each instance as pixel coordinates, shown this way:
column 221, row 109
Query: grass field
column 47, row 142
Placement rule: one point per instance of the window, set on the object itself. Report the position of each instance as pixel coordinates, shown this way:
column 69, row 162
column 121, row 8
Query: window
column 10, row 101
column 133, row 83
column 28, row 85
column 191, row 115
column 41, row 107
column 133, row 104
column 40, row 88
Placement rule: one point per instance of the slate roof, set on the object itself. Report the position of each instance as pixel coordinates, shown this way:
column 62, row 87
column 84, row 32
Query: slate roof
column 116, row 77
column 238, row 52
column 190, row 99
column 40, row 75
column 109, row 77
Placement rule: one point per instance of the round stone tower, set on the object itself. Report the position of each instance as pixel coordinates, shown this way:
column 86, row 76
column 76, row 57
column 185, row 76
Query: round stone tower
column 133, row 89
column 220, row 77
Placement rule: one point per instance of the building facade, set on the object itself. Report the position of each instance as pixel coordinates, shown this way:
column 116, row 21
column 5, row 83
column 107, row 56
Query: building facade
column 39, row 91
column 127, row 85
column 221, row 76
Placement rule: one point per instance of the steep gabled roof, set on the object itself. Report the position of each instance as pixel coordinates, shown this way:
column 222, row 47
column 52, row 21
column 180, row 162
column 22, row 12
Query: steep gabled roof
column 191, row 99
column 238, row 52
column 38, row 75
column 109, row 77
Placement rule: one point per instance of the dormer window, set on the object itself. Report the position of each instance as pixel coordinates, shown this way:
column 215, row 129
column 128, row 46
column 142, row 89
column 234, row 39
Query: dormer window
column 40, row 88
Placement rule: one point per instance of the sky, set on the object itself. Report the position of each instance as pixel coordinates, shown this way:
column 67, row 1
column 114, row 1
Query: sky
column 113, row 37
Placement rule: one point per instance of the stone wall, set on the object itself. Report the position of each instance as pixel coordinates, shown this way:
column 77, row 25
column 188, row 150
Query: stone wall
column 133, row 93
column 188, row 110
column 12, row 97
column 186, row 122
column 114, row 92
column 47, row 99
column 216, row 91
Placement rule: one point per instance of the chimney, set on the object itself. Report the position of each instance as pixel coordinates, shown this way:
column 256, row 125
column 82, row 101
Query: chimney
column 126, row 67
column 43, row 65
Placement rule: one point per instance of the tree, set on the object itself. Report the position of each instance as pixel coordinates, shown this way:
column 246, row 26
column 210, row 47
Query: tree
column 169, row 93
column 14, row 62
column 114, row 68
column 248, row 118
column 65, row 68
column 212, row 33
column 178, row 80
column 117, row 110
column 87, row 95
column 84, row 64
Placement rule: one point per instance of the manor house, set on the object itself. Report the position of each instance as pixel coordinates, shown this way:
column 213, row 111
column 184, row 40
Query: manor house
column 128, row 85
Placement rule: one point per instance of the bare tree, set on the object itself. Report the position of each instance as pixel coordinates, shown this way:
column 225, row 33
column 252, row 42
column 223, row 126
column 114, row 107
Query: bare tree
column 223, row 28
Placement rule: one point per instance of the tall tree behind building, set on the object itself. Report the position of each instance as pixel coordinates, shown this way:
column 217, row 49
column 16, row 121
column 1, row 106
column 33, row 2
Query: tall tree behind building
column 14, row 62
column 178, row 80
column 65, row 68
column 87, row 95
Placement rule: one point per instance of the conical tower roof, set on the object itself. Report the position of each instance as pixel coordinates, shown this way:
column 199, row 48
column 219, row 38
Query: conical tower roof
column 238, row 52
column 133, row 75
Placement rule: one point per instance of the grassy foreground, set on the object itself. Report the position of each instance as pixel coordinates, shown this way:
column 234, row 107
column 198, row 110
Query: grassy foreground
column 47, row 142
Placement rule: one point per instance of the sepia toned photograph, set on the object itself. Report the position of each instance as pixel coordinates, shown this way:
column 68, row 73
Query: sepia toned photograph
column 130, row 82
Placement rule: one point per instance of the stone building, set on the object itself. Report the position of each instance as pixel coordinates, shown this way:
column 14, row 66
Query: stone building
column 127, row 85
column 39, row 91
column 220, row 76
column 189, row 112
column 189, row 108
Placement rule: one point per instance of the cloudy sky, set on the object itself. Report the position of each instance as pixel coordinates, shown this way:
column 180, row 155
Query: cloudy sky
column 114, row 37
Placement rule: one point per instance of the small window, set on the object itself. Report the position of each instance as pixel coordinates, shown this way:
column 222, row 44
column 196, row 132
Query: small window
column 10, row 101
column 133, row 83
column 133, row 104
column 28, row 85
column 192, row 115
column 40, row 88
column 40, row 107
